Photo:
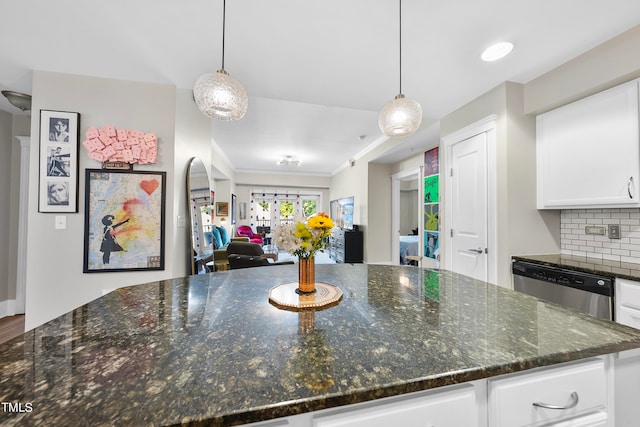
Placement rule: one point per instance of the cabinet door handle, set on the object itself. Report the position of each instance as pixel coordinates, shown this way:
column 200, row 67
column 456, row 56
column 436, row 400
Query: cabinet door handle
column 572, row 404
column 629, row 184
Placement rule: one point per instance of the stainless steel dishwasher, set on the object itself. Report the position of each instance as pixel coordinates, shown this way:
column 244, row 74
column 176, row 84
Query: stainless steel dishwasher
column 590, row 293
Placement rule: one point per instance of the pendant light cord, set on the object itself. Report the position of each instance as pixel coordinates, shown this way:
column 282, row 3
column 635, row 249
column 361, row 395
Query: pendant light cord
column 400, row 50
column 224, row 15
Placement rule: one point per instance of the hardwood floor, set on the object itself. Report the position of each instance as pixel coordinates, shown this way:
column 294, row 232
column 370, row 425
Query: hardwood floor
column 11, row 326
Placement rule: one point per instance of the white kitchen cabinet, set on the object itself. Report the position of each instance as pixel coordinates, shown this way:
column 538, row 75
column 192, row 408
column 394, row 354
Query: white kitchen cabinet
column 526, row 399
column 443, row 409
column 505, row 400
column 594, row 420
column 587, row 152
column 627, row 302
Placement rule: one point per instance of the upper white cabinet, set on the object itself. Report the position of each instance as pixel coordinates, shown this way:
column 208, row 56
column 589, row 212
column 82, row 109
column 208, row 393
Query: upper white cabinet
column 587, row 152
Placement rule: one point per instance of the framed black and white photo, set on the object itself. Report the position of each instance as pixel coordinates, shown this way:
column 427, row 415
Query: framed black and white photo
column 59, row 165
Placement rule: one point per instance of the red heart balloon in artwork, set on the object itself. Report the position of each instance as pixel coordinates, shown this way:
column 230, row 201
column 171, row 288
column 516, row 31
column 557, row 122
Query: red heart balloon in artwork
column 149, row 186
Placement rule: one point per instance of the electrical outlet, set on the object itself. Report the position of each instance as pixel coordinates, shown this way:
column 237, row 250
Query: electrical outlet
column 593, row 229
column 614, row 231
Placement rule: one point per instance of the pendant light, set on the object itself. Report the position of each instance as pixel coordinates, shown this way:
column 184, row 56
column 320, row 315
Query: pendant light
column 401, row 116
column 218, row 95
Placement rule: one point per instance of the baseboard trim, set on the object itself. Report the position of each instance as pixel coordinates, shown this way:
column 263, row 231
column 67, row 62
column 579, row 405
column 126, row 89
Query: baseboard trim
column 8, row 308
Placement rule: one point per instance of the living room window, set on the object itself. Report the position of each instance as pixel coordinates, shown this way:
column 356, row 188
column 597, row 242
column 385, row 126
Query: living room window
column 273, row 208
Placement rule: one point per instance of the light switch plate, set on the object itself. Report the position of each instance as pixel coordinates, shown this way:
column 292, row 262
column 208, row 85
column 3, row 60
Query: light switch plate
column 61, row 222
column 614, row 231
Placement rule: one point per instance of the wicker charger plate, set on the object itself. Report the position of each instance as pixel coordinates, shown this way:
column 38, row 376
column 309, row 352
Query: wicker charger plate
column 285, row 297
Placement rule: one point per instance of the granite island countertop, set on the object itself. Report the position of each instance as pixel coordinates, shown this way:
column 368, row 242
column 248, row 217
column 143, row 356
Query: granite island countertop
column 212, row 350
column 609, row 268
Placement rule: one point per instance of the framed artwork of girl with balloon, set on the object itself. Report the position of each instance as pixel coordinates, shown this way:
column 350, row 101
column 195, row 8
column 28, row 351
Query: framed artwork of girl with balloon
column 124, row 220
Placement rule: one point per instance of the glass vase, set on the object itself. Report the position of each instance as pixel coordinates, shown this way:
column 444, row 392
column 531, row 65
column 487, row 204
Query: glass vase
column 307, row 275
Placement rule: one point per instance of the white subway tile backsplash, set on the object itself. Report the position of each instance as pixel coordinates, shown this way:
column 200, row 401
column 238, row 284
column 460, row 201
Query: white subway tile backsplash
column 614, row 260
column 619, row 214
column 630, row 221
column 574, row 241
column 620, row 252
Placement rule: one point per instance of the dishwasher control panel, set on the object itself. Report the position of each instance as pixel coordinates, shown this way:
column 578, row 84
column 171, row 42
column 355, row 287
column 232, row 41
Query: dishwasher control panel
column 576, row 279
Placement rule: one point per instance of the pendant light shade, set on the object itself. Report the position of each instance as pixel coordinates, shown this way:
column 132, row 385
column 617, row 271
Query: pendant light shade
column 218, row 95
column 401, row 116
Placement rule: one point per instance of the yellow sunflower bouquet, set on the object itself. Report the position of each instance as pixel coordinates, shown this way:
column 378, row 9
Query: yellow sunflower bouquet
column 305, row 239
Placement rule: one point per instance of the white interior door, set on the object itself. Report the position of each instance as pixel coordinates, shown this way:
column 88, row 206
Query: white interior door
column 468, row 226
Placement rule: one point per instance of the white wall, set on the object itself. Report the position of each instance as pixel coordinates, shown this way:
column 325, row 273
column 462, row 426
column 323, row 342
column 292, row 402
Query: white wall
column 408, row 210
column 5, row 211
column 521, row 228
column 378, row 239
column 353, row 181
column 55, row 282
column 11, row 126
column 613, row 62
column 192, row 139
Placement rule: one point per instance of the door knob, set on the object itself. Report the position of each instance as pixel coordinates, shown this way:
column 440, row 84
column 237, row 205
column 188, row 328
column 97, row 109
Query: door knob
column 478, row 251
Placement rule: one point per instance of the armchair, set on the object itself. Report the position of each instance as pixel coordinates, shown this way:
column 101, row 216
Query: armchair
column 247, row 254
column 245, row 230
column 219, row 239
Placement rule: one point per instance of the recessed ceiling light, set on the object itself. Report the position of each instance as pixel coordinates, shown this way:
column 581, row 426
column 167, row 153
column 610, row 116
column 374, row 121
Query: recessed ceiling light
column 497, row 51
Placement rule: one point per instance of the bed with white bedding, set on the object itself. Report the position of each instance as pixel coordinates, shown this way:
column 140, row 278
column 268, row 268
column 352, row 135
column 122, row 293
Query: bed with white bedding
column 408, row 247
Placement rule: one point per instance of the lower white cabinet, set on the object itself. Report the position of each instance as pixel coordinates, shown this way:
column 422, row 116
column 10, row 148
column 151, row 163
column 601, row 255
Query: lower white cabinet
column 575, row 395
column 598, row 419
column 445, row 409
column 606, row 395
column 627, row 296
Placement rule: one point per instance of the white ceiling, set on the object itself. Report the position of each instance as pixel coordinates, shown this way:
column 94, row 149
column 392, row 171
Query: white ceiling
column 317, row 72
